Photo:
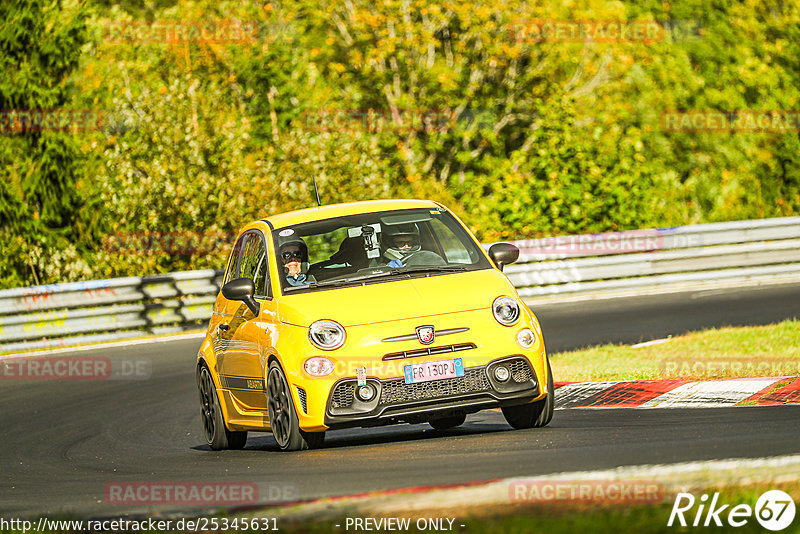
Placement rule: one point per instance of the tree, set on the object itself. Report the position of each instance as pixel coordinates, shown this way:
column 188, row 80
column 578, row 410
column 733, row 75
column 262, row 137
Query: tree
column 40, row 47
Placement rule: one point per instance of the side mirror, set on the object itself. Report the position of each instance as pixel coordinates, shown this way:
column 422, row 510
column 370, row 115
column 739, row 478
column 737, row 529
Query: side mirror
column 242, row 289
column 503, row 254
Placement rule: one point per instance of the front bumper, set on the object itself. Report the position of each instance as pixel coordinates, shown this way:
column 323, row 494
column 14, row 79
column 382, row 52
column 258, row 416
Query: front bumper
column 395, row 401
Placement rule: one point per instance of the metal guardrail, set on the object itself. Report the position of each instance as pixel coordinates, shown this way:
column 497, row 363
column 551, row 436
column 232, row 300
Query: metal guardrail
column 101, row 310
column 659, row 259
column 552, row 268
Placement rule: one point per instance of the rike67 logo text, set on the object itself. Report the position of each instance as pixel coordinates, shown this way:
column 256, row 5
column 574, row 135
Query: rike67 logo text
column 774, row 510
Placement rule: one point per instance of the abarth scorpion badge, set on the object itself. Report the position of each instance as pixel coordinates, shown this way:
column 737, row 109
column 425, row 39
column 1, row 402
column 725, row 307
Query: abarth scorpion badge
column 426, row 334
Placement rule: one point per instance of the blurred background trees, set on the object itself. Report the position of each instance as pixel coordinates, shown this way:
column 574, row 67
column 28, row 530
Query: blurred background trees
column 452, row 101
column 40, row 199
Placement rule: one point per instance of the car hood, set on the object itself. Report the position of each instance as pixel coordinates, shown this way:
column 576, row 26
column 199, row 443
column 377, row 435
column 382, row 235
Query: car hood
column 396, row 300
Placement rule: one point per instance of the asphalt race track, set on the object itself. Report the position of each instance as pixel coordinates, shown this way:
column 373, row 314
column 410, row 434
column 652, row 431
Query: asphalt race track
column 632, row 320
column 63, row 441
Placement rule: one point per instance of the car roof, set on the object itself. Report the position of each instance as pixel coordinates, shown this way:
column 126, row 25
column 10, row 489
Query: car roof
column 337, row 210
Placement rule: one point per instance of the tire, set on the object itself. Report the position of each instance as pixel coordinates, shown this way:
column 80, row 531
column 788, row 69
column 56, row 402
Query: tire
column 217, row 434
column 445, row 423
column 535, row 414
column 313, row 439
column 283, row 417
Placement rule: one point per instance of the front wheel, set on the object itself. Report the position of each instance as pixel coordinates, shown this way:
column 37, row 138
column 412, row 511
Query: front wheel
column 535, row 414
column 283, row 417
column 217, row 435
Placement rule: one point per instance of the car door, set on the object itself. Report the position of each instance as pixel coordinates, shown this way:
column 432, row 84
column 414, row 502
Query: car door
column 224, row 310
column 242, row 360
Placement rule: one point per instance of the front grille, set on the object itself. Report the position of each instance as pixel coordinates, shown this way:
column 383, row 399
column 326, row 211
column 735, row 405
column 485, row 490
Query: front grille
column 397, row 391
column 521, row 371
column 301, row 393
column 343, row 395
column 428, row 351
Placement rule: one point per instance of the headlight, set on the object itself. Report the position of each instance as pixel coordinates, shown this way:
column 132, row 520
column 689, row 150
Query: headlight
column 327, row 335
column 506, row 310
column 318, row 366
column 526, row 338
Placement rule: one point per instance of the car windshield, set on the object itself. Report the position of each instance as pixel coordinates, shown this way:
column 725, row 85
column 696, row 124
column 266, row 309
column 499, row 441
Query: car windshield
column 372, row 248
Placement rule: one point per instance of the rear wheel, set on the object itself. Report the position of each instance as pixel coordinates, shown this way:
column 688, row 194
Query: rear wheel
column 448, row 422
column 283, row 417
column 535, row 414
column 217, row 435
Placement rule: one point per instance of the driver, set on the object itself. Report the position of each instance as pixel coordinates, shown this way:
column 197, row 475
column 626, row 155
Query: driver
column 294, row 256
column 404, row 247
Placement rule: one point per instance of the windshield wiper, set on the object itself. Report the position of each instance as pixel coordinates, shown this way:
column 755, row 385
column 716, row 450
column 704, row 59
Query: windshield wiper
column 396, row 271
column 429, row 269
column 337, row 283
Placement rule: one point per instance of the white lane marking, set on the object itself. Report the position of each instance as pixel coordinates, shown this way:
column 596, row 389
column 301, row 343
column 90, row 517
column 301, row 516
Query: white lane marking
column 692, row 467
column 681, row 468
column 115, row 344
column 653, row 342
column 711, row 394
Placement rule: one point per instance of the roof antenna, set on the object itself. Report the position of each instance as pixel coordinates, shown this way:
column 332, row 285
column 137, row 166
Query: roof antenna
column 316, row 191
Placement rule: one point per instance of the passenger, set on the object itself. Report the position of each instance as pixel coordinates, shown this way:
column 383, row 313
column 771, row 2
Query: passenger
column 294, row 255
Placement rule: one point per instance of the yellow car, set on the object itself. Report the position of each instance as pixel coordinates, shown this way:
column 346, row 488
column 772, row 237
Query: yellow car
column 365, row 314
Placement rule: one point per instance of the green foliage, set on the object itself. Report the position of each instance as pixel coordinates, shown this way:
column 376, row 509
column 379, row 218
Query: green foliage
column 451, row 101
column 40, row 206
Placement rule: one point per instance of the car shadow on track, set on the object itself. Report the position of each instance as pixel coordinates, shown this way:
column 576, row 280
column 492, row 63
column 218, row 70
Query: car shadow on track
column 360, row 437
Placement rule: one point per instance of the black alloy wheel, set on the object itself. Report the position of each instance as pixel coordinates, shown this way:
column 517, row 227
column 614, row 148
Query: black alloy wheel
column 283, row 417
column 217, row 435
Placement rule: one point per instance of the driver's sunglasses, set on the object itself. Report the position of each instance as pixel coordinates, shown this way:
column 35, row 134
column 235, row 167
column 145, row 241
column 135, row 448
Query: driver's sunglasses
column 401, row 241
column 287, row 255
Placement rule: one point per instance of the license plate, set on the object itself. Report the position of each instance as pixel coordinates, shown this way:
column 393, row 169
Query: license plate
column 423, row 372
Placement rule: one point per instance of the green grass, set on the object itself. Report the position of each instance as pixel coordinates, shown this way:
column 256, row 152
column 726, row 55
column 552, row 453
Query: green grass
column 771, row 350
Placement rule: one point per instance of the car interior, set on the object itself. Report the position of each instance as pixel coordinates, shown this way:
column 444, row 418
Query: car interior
column 352, row 256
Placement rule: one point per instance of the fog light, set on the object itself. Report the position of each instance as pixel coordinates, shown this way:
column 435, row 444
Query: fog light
column 501, row 373
column 526, row 338
column 365, row 393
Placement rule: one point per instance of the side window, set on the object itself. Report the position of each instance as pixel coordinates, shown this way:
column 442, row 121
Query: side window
column 254, row 262
column 454, row 250
column 233, row 263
